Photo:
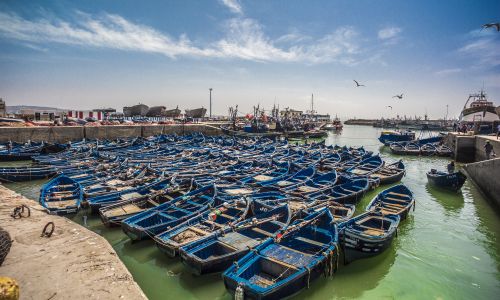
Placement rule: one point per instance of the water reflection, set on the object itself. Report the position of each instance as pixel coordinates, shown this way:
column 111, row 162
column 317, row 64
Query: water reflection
column 451, row 201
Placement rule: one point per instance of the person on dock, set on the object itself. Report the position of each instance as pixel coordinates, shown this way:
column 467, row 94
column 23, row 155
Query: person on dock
column 451, row 167
column 488, row 148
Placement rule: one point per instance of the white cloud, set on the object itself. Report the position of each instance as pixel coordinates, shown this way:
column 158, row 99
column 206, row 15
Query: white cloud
column 233, row 6
column 244, row 39
column 484, row 50
column 389, row 33
column 446, row 72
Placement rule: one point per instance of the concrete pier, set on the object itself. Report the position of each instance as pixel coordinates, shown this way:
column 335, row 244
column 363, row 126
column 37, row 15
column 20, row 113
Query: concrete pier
column 470, row 148
column 74, row 263
column 64, row 134
column 486, row 175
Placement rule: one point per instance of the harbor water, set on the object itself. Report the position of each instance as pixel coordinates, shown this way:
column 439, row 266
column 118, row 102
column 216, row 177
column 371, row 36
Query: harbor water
column 448, row 248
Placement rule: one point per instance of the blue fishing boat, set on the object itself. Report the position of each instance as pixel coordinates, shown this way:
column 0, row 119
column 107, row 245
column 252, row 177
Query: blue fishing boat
column 350, row 191
column 218, row 218
column 412, row 148
column 114, row 214
column 217, row 252
column 19, row 174
column 294, row 180
column 398, row 148
column 390, row 173
column 367, row 166
column 428, row 149
column 150, row 188
column 320, row 181
column 286, row 264
column 453, row 181
column 158, row 219
column 396, row 200
column 367, row 235
column 61, row 195
column 388, row 137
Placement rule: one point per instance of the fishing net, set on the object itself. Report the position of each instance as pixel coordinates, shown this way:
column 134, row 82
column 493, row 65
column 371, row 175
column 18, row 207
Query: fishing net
column 5, row 243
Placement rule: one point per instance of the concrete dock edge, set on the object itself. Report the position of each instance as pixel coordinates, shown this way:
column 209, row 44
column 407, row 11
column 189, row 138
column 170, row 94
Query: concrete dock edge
column 74, row 263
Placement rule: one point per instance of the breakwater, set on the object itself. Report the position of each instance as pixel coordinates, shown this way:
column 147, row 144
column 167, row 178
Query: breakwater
column 73, row 263
column 64, row 134
column 485, row 174
column 470, row 148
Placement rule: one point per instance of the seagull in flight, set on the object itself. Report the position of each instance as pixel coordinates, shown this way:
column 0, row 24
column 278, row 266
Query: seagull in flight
column 489, row 25
column 389, row 106
column 357, row 83
column 398, row 96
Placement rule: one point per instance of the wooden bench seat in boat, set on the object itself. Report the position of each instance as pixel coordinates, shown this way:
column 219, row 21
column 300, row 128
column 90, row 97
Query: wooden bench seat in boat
column 309, row 241
column 266, row 233
column 287, row 256
column 239, row 241
column 397, row 194
column 263, row 178
column 395, row 199
column 154, row 203
column 130, row 196
column 61, row 203
column 372, row 230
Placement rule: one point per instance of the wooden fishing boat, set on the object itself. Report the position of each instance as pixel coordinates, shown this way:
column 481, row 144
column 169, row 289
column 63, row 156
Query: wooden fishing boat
column 317, row 183
column 412, row 149
column 367, row 235
column 18, row 174
column 217, row 252
column 158, row 219
column 340, row 212
column 349, row 192
column 444, row 150
column 396, row 200
column 391, row 173
column 296, row 179
column 367, row 166
column 273, row 175
column 452, row 181
column 397, row 148
column 153, row 187
column 283, row 266
column 61, row 195
column 114, row 214
column 215, row 219
column 428, row 149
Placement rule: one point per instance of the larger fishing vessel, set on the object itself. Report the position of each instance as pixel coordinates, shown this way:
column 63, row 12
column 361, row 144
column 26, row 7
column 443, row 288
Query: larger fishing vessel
column 479, row 110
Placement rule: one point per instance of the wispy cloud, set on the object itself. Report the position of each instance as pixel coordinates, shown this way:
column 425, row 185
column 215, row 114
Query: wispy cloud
column 446, row 72
column 244, row 38
column 389, row 34
column 483, row 46
column 233, row 6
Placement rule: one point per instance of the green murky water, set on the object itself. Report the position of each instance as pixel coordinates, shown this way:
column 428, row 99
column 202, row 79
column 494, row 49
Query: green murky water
column 449, row 248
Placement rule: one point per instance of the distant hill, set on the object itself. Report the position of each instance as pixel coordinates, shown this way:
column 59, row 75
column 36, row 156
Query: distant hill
column 15, row 108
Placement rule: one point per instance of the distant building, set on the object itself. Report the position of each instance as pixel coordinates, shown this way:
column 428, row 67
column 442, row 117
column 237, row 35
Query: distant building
column 2, row 108
column 317, row 117
column 139, row 110
column 97, row 114
column 38, row 114
column 291, row 113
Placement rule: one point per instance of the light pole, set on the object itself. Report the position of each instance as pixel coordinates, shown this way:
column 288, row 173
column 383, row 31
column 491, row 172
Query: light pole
column 210, row 89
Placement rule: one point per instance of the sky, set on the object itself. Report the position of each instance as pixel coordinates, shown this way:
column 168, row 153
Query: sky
column 94, row 54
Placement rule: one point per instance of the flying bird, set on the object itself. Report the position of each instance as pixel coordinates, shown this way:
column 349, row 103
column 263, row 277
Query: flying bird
column 389, row 106
column 398, row 96
column 357, row 83
column 489, row 25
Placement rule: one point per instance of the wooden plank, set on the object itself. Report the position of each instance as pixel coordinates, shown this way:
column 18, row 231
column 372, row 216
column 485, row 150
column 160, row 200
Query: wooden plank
column 309, row 241
column 263, row 232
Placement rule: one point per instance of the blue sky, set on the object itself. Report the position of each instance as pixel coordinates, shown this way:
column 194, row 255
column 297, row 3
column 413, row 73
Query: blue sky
column 89, row 54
